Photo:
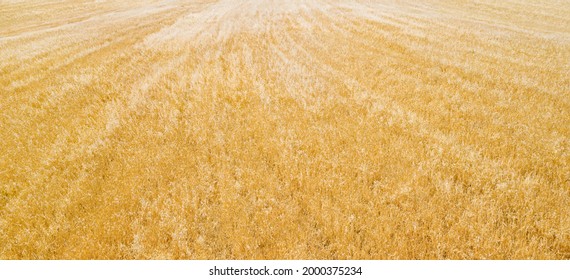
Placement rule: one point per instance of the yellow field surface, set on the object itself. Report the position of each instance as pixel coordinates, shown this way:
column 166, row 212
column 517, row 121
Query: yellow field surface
column 285, row 129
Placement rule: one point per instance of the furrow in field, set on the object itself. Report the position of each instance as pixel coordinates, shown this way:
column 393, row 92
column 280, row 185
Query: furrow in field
column 64, row 143
column 74, row 41
column 471, row 154
column 313, row 56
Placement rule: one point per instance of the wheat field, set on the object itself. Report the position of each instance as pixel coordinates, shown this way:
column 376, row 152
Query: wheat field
column 285, row 129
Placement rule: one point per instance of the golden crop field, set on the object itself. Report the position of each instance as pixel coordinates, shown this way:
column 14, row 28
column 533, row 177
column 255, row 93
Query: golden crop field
column 285, row 129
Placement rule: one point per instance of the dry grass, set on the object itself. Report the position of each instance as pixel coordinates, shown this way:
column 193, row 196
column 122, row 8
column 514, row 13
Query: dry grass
column 285, row 129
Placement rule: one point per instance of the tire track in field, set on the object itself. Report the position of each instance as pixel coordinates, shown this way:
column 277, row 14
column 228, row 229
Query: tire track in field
column 53, row 59
column 457, row 62
column 112, row 115
column 420, row 126
column 62, row 150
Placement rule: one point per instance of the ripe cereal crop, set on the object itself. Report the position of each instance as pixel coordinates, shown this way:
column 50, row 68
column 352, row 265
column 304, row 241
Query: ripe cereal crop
column 285, row 129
